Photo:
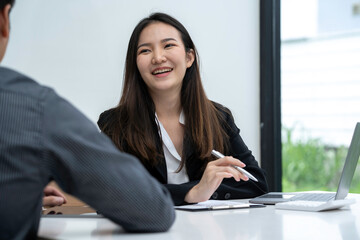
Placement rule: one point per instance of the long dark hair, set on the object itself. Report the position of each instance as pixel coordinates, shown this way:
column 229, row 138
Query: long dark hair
column 135, row 130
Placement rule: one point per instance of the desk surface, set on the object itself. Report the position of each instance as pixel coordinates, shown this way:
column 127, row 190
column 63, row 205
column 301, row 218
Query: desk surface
column 255, row 223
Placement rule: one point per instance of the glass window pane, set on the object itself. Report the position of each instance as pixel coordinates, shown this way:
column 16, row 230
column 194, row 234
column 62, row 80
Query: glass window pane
column 320, row 75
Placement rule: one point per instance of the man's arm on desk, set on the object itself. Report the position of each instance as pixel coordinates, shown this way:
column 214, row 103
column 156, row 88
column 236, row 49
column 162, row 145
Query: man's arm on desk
column 88, row 166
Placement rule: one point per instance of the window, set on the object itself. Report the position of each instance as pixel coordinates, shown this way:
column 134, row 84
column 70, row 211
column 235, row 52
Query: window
column 320, row 91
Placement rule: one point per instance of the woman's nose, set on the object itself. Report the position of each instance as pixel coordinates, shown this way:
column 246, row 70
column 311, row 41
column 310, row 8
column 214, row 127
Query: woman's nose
column 158, row 57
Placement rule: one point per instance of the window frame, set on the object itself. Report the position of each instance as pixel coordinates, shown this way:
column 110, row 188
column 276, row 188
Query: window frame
column 270, row 93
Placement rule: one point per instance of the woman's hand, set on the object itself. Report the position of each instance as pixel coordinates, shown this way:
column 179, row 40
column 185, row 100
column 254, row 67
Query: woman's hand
column 53, row 197
column 213, row 175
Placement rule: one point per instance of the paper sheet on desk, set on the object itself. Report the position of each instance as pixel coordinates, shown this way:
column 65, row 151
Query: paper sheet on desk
column 217, row 205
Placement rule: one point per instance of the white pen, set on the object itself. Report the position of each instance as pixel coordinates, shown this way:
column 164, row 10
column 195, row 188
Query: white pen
column 220, row 155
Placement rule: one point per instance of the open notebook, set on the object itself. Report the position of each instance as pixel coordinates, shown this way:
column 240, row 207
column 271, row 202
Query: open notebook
column 343, row 187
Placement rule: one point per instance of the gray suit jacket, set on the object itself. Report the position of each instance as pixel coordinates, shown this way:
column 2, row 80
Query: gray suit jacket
column 43, row 137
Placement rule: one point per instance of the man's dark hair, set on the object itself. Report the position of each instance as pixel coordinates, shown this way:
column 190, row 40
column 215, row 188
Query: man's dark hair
column 3, row 3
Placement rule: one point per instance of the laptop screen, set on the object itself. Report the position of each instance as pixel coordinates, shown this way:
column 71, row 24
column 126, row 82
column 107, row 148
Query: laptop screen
column 350, row 165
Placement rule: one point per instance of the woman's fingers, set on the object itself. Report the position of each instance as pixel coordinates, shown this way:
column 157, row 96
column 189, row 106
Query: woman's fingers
column 227, row 161
column 227, row 165
column 214, row 173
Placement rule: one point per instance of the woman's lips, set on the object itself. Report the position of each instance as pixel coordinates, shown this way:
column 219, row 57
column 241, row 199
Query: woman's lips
column 161, row 71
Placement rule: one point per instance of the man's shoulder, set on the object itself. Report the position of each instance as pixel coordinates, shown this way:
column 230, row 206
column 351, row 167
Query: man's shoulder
column 8, row 75
column 18, row 83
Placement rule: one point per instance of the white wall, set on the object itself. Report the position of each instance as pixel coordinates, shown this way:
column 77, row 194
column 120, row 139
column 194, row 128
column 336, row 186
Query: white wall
column 78, row 48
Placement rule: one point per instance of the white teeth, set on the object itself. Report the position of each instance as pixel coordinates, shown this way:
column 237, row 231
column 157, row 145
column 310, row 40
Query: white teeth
column 161, row 71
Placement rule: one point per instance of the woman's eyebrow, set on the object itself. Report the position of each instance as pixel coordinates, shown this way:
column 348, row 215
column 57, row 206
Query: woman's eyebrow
column 164, row 40
column 143, row 45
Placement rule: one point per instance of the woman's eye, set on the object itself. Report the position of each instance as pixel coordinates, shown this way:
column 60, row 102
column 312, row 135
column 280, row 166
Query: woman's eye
column 144, row 51
column 169, row 45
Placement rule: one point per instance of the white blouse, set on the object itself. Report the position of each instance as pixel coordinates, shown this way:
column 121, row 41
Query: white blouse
column 172, row 157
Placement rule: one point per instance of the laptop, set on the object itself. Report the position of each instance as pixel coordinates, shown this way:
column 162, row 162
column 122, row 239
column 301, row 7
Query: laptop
column 343, row 187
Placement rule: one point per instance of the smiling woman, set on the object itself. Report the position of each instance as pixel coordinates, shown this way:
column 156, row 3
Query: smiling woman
column 162, row 60
column 165, row 119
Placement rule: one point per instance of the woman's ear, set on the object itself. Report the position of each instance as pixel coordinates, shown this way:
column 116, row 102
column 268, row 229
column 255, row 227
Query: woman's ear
column 190, row 57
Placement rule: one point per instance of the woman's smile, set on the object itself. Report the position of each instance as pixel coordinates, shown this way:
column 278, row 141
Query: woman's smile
column 162, row 71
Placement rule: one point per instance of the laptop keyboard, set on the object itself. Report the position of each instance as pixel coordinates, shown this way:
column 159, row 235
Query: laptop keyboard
column 318, row 197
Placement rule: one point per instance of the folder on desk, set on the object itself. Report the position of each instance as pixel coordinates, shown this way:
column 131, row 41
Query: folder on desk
column 217, row 205
column 68, row 211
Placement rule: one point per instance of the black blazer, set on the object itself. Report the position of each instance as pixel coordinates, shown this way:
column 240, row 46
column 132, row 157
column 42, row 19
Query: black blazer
column 229, row 188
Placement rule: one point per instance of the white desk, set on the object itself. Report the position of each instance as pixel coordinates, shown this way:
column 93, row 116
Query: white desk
column 255, row 223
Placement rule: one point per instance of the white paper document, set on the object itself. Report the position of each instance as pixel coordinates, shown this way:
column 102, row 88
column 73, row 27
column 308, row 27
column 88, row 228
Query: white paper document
column 217, row 205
